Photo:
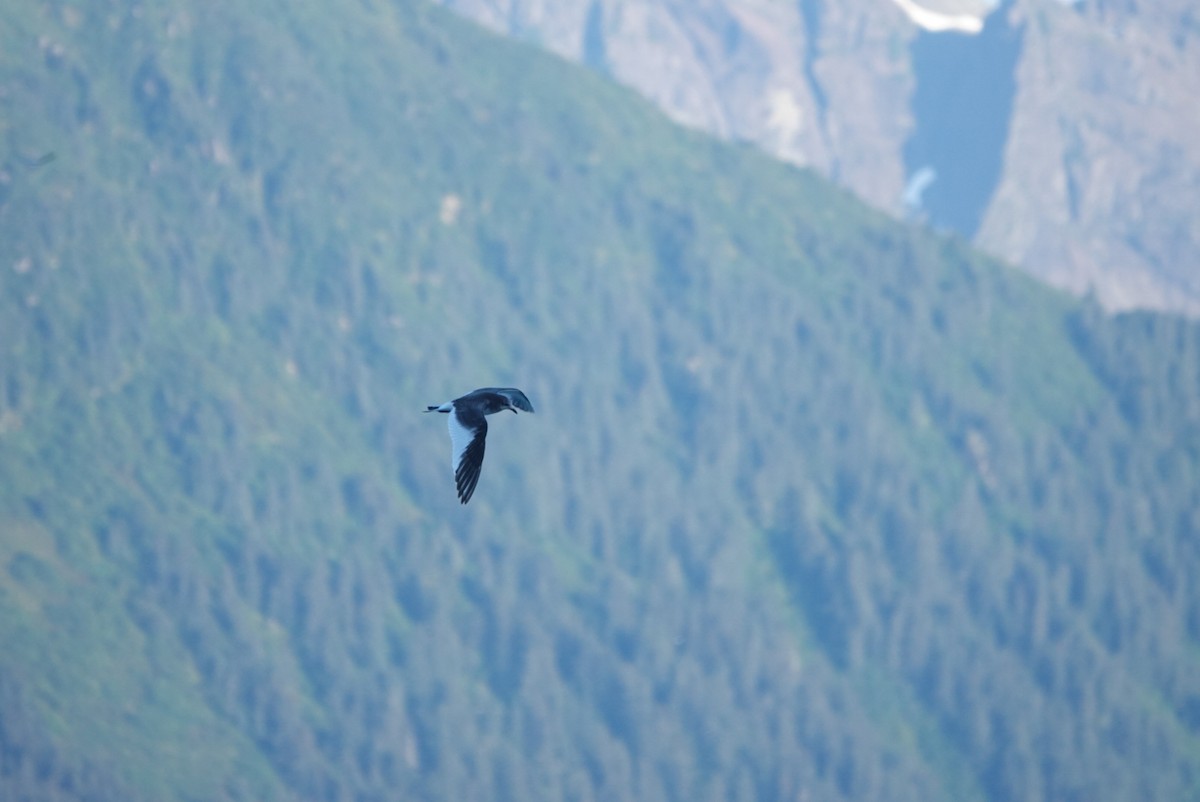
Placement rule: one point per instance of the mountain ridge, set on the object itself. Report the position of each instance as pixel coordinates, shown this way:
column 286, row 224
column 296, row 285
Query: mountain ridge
column 1095, row 182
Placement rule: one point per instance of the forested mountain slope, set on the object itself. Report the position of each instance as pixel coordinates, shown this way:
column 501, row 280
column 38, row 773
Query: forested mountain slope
column 814, row 505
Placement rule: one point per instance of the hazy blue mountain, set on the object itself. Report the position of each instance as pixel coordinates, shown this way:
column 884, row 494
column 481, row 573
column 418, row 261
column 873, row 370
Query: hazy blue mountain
column 815, row 505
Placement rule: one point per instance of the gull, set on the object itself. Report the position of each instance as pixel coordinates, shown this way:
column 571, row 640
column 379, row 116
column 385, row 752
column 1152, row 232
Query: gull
column 468, row 429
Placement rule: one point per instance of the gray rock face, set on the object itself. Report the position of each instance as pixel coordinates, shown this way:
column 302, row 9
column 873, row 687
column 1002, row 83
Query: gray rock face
column 1102, row 180
column 1099, row 170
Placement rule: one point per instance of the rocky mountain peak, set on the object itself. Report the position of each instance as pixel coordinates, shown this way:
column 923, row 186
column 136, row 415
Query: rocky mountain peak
column 1086, row 174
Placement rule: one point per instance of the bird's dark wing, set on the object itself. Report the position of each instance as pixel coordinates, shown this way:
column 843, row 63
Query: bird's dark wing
column 514, row 396
column 468, row 429
column 470, row 463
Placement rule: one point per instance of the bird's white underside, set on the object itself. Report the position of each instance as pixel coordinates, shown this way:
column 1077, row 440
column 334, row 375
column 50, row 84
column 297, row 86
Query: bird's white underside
column 460, row 438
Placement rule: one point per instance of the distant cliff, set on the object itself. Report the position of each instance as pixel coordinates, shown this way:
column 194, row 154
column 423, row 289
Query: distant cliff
column 1098, row 177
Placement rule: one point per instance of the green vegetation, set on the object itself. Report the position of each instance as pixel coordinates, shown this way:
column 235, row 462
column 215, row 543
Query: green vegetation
column 814, row 505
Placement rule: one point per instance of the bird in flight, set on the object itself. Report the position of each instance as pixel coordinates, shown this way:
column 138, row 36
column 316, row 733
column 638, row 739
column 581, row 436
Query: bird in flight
column 468, row 429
